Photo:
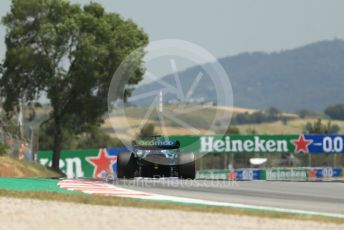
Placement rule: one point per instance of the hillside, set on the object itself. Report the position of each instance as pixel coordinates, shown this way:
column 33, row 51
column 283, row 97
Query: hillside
column 309, row 77
column 128, row 126
column 294, row 126
column 10, row 167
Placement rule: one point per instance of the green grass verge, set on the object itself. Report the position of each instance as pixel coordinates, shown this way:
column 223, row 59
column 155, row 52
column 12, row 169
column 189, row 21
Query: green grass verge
column 127, row 202
column 32, row 184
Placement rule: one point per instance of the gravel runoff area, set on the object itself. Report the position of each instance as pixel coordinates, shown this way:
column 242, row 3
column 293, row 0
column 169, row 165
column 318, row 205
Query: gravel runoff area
column 37, row 214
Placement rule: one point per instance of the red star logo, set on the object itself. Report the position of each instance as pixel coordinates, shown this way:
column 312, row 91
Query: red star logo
column 231, row 176
column 311, row 173
column 102, row 163
column 301, row 145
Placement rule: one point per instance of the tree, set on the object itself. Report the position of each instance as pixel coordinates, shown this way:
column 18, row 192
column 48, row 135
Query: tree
column 319, row 128
column 251, row 131
column 335, row 111
column 232, row 130
column 147, row 131
column 273, row 112
column 305, row 113
column 94, row 138
column 69, row 53
column 284, row 120
column 3, row 149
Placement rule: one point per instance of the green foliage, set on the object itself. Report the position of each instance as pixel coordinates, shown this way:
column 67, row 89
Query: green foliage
column 335, row 111
column 95, row 137
column 251, row 131
column 285, row 121
column 3, row 149
column 70, row 54
column 272, row 114
column 303, row 113
column 232, row 130
column 147, row 131
column 319, row 128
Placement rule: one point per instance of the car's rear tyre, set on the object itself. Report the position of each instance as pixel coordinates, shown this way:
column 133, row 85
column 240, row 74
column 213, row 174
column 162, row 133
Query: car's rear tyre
column 125, row 165
column 187, row 166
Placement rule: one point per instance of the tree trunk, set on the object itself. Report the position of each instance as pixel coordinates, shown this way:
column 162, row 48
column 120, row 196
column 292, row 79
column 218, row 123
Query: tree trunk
column 58, row 137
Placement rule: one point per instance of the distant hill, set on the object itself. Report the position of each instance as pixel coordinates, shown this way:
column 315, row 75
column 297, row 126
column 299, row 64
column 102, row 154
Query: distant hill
column 309, row 77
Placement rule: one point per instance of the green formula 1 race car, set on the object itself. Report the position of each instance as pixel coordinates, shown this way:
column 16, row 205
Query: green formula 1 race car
column 156, row 158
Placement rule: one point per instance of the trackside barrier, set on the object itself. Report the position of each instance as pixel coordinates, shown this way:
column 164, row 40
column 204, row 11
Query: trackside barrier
column 326, row 174
column 213, row 174
column 274, row 174
column 96, row 163
column 292, row 174
column 100, row 163
column 316, row 143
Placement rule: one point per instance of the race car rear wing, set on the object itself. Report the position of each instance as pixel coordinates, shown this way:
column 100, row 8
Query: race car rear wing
column 156, row 144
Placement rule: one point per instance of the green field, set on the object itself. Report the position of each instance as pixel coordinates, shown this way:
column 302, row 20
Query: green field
column 32, row 185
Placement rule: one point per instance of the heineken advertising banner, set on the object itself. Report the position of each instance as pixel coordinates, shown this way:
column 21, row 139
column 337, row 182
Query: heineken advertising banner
column 296, row 174
column 248, row 174
column 95, row 163
column 237, row 174
column 326, row 172
column 102, row 162
column 263, row 143
column 292, row 174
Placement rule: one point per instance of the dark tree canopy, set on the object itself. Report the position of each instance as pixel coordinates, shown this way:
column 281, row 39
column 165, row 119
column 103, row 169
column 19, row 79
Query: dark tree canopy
column 69, row 53
column 232, row 130
column 335, row 111
column 147, row 131
column 319, row 128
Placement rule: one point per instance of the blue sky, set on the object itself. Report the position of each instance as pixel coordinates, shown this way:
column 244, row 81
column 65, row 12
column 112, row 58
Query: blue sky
column 227, row 27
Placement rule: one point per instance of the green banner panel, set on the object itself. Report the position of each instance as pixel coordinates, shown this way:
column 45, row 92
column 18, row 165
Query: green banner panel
column 238, row 143
column 97, row 163
column 73, row 163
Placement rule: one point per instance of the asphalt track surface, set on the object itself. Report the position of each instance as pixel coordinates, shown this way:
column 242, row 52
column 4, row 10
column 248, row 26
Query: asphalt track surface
column 327, row 197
